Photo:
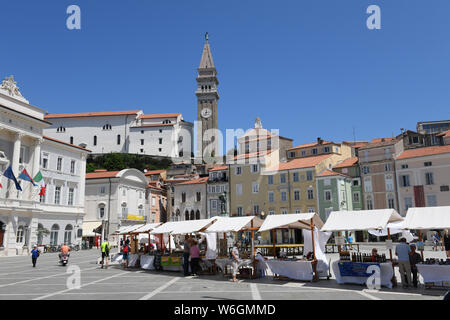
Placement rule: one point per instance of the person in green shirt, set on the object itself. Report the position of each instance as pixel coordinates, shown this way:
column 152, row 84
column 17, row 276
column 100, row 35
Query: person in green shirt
column 105, row 252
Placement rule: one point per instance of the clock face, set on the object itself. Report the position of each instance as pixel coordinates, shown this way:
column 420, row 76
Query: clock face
column 206, row 112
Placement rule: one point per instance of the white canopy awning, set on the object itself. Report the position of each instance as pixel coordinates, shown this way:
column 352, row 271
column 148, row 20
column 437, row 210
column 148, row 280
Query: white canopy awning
column 167, row 227
column 147, row 227
column 128, row 229
column 234, row 224
column 296, row 221
column 428, row 218
column 89, row 227
column 360, row 220
column 192, row 226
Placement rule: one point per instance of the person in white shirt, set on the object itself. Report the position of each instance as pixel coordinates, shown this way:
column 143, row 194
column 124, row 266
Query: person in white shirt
column 235, row 260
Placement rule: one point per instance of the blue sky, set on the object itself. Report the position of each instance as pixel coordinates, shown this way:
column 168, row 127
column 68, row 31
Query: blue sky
column 308, row 68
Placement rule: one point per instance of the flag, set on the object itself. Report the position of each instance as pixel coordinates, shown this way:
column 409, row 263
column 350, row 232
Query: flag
column 10, row 175
column 25, row 176
column 39, row 179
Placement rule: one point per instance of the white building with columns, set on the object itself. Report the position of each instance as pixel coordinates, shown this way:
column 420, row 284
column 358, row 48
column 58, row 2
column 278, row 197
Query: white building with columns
column 23, row 146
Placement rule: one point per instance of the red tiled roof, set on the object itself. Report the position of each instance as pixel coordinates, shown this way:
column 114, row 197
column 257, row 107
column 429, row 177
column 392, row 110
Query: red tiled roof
column 195, row 181
column 306, row 145
column 300, row 163
column 347, row 163
column 444, row 134
column 219, row 168
column 376, row 140
column 329, row 173
column 423, row 152
column 68, row 144
column 152, row 172
column 154, row 185
column 90, row 114
column 101, row 174
column 154, row 125
column 160, row 115
column 259, row 154
column 379, row 143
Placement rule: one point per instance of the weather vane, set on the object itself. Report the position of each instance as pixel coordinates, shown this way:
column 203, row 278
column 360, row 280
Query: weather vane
column 206, row 36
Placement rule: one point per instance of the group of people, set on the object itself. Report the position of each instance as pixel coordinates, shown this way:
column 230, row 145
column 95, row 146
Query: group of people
column 408, row 259
column 35, row 253
column 191, row 256
column 443, row 242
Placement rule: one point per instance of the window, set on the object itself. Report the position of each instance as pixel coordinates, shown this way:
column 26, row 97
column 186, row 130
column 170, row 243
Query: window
column 369, row 203
column 102, row 190
column 59, row 164
column 327, row 195
column 326, row 149
column 271, row 196
column 284, row 211
column 269, row 179
column 107, row 127
column 295, row 177
column 142, row 131
column 429, row 179
column 214, row 205
column 238, row 170
column 239, row 211
column 238, row 189
column 356, row 196
column 387, row 153
column 254, row 168
column 71, row 140
column 70, row 197
column 95, row 140
column 255, row 187
column 445, row 188
column 355, row 183
column 427, row 164
column 431, row 200
column 101, row 211
column 314, row 151
column 283, row 196
column 153, row 201
column 408, row 203
column 303, row 153
column 142, row 150
column 160, row 149
column 283, row 178
column 45, row 160
column 142, row 142
column 389, row 183
column 118, row 139
column 256, row 209
column 309, row 175
column 366, row 170
column 160, row 130
column 311, row 209
column 199, row 196
column 327, row 182
column 391, row 201
column 296, row 195
column 124, row 210
column 404, row 180
column 54, row 235
column 310, row 194
column 141, row 210
column 68, row 234
column 19, row 234
column 297, row 210
column 160, row 140
column 271, row 212
column 387, row 167
column 72, row 166
column 183, row 197
column 292, row 154
column 366, row 156
column 57, row 194
column 124, row 192
column 404, row 166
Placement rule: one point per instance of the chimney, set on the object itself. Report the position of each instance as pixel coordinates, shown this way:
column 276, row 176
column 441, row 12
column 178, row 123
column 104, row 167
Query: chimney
column 319, row 140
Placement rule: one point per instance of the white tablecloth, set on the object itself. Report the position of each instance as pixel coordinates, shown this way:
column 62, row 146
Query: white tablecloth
column 434, row 272
column 147, row 262
column 222, row 262
column 298, row 270
column 387, row 272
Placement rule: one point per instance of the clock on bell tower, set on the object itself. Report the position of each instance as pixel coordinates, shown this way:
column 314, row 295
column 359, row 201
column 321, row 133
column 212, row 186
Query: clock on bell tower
column 207, row 97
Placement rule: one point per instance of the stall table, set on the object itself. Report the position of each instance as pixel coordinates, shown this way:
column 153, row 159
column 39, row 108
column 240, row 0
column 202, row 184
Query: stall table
column 297, row 269
column 147, row 262
column 222, row 263
column 133, row 259
column 435, row 274
column 386, row 273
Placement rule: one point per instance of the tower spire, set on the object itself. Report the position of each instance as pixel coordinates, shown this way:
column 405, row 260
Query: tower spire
column 207, row 61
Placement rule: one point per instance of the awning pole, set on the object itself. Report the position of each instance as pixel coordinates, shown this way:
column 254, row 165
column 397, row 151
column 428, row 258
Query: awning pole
column 253, row 249
column 273, row 242
column 314, row 262
column 389, row 238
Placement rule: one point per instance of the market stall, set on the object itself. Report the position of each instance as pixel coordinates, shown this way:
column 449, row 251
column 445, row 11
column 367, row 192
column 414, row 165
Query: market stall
column 354, row 267
column 435, row 272
column 224, row 225
column 294, row 268
column 146, row 255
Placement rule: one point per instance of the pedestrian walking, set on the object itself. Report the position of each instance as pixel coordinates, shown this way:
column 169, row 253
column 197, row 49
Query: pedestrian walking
column 402, row 251
column 186, row 254
column 436, row 241
column 414, row 259
column 446, row 240
column 35, row 255
column 195, row 257
column 125, row 253
column 105, row 247
column 235, row 260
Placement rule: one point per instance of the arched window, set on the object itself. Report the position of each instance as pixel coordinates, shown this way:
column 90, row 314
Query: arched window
column 95, row 140
column 166, row 122
column 40, row 235
column 101, row 211
column 54, row 235
column 186, row 215
column 68, row 234
column 177, row 215
column 197, row 215
column 61, row 129
column 192, row 215
column 124, row 210
column 107, row 127
column 369, row 203
column 118, row 139
column 19, row 234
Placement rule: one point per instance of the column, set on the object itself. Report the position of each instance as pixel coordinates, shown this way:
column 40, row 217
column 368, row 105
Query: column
column 80, row 193
column 15, row 163
column 32, row 232
column 10, row 235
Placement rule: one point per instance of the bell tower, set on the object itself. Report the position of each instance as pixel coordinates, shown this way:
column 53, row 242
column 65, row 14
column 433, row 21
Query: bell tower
column 207, row 98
